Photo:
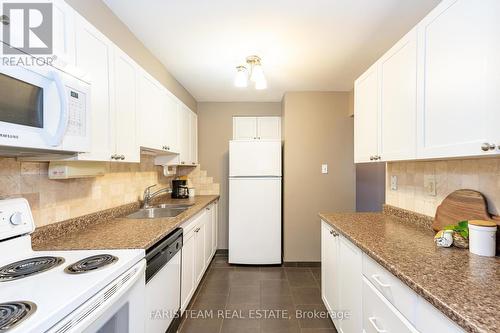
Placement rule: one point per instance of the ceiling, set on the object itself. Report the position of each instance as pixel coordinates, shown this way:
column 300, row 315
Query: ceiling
column 305, row 45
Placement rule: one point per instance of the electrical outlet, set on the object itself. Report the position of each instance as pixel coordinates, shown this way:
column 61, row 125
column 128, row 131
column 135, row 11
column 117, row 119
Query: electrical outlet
column 430, row 185
column 324, row 168
column 394, row 183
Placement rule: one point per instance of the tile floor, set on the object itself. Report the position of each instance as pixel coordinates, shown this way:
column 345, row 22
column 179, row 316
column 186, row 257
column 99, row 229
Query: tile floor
column 232, row 298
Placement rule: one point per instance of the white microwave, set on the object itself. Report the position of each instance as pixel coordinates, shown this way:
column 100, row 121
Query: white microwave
column 43, row 109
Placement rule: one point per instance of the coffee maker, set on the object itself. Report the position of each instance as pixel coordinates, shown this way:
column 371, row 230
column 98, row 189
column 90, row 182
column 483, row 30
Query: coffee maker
column 180, row 189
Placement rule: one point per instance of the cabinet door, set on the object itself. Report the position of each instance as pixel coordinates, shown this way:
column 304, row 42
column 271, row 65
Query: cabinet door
column 124, row 110
column 458, row 79
column 269, row 128
column 329, row 269
column 215, row 222
column 398, row 85
column 149, row 112
column 193, row 138
column 188, row 269
column 184, row 135
column 93, row 53
column 63, row 37
column 244, row 128
column 200, row 251
column 366, row 120
column 350, row 285
column 208, row 235
column 170, row 114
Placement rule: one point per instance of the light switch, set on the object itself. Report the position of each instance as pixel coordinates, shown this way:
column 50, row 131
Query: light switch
column 324, row 168
column 394, row 183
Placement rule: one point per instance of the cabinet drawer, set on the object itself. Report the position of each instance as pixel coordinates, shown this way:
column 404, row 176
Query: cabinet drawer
column 430, row 320
column 396, row 292
column 380, row 316
column 190, row 224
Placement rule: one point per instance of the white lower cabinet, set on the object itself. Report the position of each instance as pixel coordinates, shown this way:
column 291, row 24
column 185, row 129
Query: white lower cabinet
column 378, row 301
column 379, row 315
column 197, row 251
column 341, row 279
column 187, row 276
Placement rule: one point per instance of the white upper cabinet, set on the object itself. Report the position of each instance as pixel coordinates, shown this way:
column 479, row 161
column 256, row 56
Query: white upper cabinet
column 366, row 116
column 437, row 93
column 244, row 128
column 124, row 83
column 93, row 52
column 256, row 128
column 459, row 66
column 398, row 87
column 63, row 37
column 184, row 134
column 193, row 138
column 150, row 112
column 170, row 114
column 269, row 128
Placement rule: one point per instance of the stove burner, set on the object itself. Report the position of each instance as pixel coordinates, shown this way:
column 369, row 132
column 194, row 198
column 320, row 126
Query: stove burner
column 91, row 264
column 13, row 313
column 28, row 267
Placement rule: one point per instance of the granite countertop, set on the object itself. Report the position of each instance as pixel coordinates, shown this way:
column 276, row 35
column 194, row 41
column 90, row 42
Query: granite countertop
column 463, row 286
column 111, row 230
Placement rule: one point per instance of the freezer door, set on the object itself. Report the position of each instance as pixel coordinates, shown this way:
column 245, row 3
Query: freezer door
column 254, row 158
column 255, row 221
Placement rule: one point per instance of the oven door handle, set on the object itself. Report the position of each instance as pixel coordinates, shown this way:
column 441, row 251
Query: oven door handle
column 56, row 139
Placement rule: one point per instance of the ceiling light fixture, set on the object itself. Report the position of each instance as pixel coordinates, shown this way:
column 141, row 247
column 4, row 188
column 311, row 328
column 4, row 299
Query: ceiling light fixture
column 253, row 73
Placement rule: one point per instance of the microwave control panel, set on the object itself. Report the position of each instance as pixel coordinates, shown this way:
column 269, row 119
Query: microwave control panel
column 76, row 113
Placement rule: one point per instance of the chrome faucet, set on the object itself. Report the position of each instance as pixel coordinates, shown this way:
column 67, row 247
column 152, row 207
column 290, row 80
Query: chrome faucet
column 148, row 196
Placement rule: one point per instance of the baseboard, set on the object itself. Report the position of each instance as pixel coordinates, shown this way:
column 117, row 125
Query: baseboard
column 222, row 252
column 302, row 264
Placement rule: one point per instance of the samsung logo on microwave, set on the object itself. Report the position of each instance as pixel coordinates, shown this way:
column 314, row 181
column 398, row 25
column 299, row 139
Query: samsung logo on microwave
column 9, row 136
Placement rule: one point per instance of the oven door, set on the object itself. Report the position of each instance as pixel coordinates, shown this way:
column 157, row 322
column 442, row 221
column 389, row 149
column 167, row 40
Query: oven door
column 43, row 108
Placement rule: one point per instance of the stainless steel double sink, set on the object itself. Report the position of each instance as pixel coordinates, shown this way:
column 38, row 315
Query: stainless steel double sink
column 159, row 211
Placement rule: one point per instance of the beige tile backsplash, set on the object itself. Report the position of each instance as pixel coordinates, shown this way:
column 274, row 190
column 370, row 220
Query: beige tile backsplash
column 58, row 200
column 482, row 175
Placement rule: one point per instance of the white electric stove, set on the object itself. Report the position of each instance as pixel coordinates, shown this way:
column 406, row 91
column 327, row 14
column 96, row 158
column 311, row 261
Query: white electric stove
column 65, row 291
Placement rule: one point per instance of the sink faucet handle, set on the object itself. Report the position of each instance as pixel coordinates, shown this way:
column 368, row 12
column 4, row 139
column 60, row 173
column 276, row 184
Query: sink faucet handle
column 147, row 190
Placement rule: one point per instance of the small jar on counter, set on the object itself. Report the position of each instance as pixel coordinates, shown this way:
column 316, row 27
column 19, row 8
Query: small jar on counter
column 482, row 237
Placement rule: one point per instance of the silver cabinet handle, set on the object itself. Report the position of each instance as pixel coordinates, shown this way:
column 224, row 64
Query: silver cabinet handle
column 122, row 157
column 208, row 208
column 488, row 146
column 183, row 162
column 194, row 163
column 114, row 157
column 372, row 321
column 197, row 229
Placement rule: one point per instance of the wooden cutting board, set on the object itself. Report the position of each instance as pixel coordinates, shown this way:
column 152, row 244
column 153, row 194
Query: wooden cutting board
column 462, row 205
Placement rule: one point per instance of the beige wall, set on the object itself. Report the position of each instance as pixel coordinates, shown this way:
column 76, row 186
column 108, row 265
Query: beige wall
column 97, row 13
column 482, row 175
column 317, row 130
column 215, row 129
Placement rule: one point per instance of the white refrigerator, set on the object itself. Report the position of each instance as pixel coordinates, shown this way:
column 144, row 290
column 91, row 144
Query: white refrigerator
column 255, row 202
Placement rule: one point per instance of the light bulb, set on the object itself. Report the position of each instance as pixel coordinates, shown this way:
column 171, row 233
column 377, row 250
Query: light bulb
column 241, row 78
column 257, row 73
